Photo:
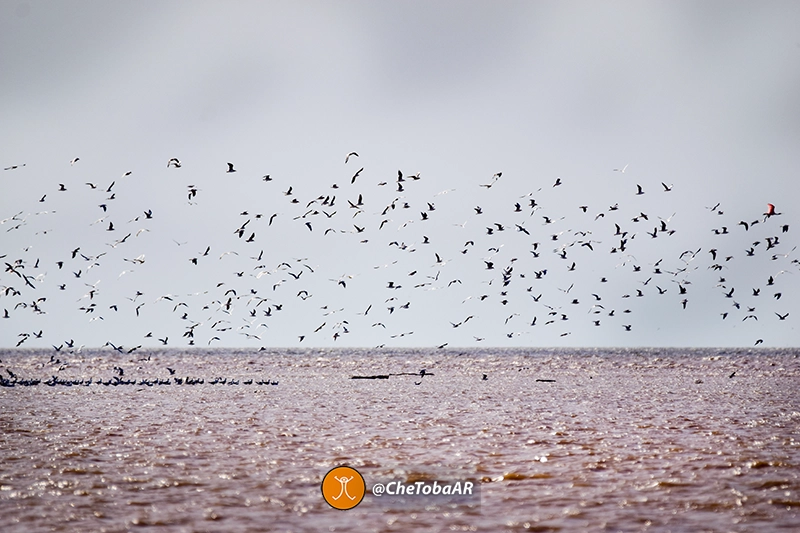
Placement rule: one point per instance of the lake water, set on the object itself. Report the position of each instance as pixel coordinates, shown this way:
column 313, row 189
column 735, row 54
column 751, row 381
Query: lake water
column 614, row 440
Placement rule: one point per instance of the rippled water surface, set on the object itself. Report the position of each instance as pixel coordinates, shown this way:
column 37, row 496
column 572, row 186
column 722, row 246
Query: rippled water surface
column 691, row 440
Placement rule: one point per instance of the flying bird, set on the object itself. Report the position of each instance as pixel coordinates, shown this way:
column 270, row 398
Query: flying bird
column 770, row 211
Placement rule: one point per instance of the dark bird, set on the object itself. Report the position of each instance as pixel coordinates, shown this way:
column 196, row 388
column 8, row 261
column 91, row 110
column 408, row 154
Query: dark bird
column 728, row 294
column 230, row 168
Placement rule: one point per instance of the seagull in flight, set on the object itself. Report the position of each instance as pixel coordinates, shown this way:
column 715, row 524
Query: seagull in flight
column 622, row 170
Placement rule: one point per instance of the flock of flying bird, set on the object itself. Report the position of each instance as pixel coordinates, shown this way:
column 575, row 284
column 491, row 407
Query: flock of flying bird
column 523, row 253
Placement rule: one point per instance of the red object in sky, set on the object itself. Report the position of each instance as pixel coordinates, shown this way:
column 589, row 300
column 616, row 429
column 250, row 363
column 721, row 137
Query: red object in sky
column 770, row 210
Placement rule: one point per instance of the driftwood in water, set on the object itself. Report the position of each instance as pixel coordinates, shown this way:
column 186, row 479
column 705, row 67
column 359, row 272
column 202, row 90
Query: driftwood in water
column 421, row 373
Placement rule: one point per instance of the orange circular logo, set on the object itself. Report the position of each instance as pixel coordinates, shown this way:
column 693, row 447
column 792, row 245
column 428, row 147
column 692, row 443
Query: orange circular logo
column 343, row 488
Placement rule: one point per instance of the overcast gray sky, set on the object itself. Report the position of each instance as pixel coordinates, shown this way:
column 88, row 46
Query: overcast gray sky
column 699, row 96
